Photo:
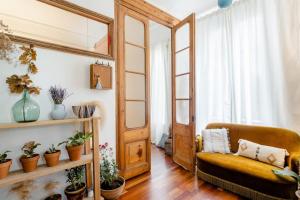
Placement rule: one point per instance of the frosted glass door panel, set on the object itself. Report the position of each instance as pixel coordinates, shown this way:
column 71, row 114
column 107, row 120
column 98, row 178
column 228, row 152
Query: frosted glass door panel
column 135, row 114
column 183, row 37
column 134, row 31
column 182, row 112
column 182, row 87
column 134, row 59
column 135, row 73
column 135, row 86
column 183, row 62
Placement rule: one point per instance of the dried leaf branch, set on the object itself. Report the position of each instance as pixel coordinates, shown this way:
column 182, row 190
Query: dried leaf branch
column 28, row 57
column 18, row 84
column 7, row 47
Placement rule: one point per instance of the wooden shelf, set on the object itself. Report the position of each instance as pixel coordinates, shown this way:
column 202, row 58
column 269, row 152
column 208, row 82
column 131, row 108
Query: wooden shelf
column 43, row 170
column 45, row 123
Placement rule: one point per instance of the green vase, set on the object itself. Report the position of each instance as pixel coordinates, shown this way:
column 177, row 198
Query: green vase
column 26, row 110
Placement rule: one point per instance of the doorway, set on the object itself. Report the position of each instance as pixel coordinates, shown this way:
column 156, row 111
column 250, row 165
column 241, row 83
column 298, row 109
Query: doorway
column 160, row 84
column 134, row 136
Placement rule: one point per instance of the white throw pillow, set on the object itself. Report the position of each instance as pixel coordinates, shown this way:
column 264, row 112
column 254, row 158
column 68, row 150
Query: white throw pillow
column 271, row 155
column 215, row 141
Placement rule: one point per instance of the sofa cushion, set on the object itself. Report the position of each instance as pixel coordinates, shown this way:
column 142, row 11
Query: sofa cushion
column 243, row 165
column 271, row 155
column 215, row 141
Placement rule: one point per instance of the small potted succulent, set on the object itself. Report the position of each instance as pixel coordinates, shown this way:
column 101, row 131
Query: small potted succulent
column 4, row 164
column 74, row 145
column 29, row 159
column 112, row 184
column 52, row 156
column 286, row 173
column 77, row 187
column 58, row 95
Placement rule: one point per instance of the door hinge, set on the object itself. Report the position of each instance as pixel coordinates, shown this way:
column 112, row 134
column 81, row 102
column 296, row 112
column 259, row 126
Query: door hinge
column 193, row 118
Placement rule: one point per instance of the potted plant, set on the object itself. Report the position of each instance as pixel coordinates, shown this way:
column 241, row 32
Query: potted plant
column 77, row 187
column 58, row 95
column 54, row 197
column 52, row 156
column 74, row 145
column 112, row 184
column 287, row 173
column 29, row 159
column 4, row 164
column 25, row 110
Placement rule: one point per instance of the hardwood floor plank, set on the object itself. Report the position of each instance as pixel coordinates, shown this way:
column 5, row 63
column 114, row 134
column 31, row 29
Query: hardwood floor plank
column 168, row 181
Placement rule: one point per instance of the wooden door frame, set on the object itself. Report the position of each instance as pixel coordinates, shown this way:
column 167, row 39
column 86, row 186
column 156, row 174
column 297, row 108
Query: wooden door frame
column 140, row 133
column 152, row 13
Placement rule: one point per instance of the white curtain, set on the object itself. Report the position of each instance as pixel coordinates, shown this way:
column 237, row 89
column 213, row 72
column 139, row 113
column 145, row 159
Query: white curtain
column 241, row 70
column 160, row 63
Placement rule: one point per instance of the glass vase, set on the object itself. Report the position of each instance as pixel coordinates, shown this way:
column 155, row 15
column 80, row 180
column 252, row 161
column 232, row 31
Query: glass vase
column 58, row 112
column 26, row 109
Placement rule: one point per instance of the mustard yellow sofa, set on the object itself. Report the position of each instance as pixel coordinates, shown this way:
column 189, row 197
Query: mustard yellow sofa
column 250, row 178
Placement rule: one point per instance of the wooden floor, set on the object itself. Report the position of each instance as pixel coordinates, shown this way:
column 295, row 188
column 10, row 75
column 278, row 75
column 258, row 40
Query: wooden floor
column 168, row 181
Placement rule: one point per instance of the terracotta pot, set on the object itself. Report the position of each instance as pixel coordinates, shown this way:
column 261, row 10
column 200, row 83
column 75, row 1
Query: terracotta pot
column 4, row 168
column 52, row 159
column 54, row 197
column 75, row 195
column 30, row 164
column 115, row 193
column 75, row 152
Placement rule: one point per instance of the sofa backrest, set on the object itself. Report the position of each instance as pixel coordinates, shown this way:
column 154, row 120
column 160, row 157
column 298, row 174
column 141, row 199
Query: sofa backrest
column 276, row 137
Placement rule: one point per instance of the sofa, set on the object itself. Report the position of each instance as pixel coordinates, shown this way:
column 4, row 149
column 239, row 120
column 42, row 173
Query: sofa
column 250, row 178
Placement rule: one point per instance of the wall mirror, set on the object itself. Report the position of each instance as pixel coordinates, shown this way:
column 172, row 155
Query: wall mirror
column 59, row 25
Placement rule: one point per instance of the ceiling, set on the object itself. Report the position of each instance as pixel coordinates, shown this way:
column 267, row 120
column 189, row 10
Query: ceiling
column 182, row 8
column 177, row 8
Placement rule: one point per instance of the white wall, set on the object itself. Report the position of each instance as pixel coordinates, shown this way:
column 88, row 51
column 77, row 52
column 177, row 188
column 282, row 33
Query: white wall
column 55, row 68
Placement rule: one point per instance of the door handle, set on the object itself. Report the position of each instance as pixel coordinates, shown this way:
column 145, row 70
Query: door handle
column 140, row 151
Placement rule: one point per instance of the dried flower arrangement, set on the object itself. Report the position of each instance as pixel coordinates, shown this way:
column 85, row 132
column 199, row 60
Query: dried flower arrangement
column 18, row 84
column 7, row 47
column 58, row 94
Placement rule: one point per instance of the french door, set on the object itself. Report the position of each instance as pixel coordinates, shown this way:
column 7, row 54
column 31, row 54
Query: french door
column 183, row 98
column 133, row 100
column 133, row 146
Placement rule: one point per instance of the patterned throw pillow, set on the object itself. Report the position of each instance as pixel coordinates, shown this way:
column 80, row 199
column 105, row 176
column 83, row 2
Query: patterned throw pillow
column 215, row 141
column 271, row 155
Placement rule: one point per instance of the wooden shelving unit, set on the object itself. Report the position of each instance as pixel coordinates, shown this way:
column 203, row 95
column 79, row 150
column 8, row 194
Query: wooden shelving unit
column 91, row 157
column 43, row 170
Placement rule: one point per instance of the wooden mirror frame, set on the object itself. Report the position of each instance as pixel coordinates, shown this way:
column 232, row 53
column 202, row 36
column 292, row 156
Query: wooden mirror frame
column 73, row 8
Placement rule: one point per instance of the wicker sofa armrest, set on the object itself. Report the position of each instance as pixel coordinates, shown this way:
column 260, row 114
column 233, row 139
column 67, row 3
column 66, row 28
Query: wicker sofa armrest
column 293, row 161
